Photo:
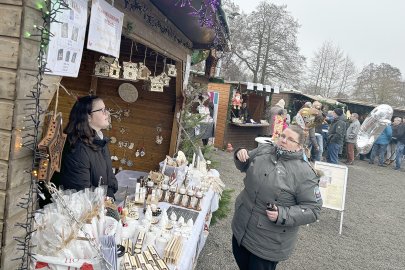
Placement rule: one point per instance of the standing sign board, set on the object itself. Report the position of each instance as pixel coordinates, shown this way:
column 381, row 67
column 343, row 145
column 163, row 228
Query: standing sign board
column 333, row 187
column 67, row 39
column 105, row 28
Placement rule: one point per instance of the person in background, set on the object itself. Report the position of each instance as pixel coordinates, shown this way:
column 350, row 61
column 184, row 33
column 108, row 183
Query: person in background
column 336, row 134
column 399, row 133
column 244, row 112
column 380, row 146
column 351, row 137
column 317, row 155
column 279, row 124
column 280, row 193
column 86, row 160
column 391, row 148
column 273, row 112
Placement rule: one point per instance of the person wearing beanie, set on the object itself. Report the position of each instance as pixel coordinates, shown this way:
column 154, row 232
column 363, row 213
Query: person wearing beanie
column 273, row 113
column 338, row 111
column 336, row 135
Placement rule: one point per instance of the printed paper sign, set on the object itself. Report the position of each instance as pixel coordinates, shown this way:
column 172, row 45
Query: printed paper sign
column 105, row 28
column 66, row 42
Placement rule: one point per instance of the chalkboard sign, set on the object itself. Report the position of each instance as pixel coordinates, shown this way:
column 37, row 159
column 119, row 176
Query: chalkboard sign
column 183, row 212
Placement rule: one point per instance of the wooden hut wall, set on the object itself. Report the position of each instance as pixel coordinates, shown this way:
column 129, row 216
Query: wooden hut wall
column 224, row 91
column 152, row 109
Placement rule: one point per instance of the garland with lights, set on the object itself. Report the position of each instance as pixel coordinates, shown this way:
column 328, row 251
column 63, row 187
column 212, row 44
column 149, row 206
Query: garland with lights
column 206, row 14
column 145, row 12
column 49, row 10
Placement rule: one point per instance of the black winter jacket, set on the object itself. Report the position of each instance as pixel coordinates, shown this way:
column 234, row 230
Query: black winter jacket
column 82, row 167
column 337, row 131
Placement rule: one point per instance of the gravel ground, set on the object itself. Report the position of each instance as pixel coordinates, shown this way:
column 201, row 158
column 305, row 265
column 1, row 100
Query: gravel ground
column 373, row 234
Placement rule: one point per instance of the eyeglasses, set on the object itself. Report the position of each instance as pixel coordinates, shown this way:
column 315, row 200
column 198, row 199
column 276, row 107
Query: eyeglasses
column 103, row 110
column 284, row 137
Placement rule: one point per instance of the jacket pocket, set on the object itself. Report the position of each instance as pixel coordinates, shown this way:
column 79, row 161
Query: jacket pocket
column 269, row 231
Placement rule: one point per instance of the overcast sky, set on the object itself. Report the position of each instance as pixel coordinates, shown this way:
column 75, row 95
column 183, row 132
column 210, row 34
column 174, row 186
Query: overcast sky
column 367, row 30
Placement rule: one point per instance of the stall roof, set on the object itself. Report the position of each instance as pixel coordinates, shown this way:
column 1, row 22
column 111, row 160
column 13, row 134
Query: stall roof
column 368, row 104
column 202, row 37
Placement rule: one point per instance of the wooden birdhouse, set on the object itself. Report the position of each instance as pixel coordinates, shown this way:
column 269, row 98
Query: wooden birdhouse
column 171, row 70
column 156, row 84
column 130, row 70
column 108, row 66
column 143, row 72
column 165, row 79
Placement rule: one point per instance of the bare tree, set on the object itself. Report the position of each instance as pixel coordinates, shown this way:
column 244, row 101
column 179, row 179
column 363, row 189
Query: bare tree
column 264, row 44
column 330, row 72
column 380, row 84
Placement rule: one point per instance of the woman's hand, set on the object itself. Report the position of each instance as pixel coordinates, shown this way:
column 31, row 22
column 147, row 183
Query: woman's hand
column 242, row 155
column 273, row 214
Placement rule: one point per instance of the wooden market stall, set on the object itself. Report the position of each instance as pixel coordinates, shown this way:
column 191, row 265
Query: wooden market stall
column 363, row 108
column 242, row 134
column 155, row 30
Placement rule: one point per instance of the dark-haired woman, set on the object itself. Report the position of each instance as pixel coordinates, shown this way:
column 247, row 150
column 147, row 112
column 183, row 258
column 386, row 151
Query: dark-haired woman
column 281, row 193
column 86, row 160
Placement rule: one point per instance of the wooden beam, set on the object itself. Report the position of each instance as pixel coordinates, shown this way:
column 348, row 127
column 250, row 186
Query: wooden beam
column 180, row 100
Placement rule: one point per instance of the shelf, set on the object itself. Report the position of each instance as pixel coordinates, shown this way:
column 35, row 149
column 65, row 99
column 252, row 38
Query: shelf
column 117, row 79
column 250, row 125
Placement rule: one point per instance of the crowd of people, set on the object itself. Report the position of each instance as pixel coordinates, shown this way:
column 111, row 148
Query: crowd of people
column 281, row 187
column 332, row 132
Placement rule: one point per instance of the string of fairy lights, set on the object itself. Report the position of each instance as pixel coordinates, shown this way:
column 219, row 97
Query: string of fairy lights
column 49, row 11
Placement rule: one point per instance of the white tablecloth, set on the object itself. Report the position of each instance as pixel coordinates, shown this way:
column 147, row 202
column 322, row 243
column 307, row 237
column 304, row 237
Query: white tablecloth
column 196, row 241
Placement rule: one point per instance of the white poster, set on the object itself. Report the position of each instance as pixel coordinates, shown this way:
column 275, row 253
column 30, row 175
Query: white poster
column 105, row 28
column 66, row 42
column 332, row 185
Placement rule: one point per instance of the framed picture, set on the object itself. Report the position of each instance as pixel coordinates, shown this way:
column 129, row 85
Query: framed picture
column 332, row 185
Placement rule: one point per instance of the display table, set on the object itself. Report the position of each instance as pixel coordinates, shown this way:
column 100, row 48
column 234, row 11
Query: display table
column 194, row 244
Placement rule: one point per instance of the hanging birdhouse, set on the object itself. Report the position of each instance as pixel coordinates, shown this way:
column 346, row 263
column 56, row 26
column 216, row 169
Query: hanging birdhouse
column 143, row 72
column 165, row 79
column 130, row 70
column 171, row 70
column 156, row 84
column 108, row 66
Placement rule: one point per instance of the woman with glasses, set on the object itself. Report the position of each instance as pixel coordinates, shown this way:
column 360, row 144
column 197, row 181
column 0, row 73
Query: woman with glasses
column 86, row 160
column 280, row 193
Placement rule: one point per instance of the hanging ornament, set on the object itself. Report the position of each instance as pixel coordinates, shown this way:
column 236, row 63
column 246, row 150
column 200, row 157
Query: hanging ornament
column 130, row 163
column 171, row 70
column 156, row 82
column 113, row 140
column 131, row 146
column 143, row 71
column 137, row 153
column 142, row 152
column 127, row 112
column 130, row 69
column 159, row 137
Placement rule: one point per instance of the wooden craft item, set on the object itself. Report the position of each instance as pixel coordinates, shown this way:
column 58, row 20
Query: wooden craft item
column 171, row 70
column 156, row 84
column 154, row 253
column 141, row 260
column 162, row 265
column 129, row 247
column 134, row 263
column 149, row 258
column 128, row 93
column 130, row 70
column 127, row 262
column 52, row 147
column 156, row 177
column 143, row 72
column 173, row 250
column 165, row 79
column 107, row 66
column 148, row 267
column 140, row 239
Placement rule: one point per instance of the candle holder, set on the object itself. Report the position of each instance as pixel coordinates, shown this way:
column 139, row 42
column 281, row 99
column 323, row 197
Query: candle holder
column 172, row 194
column 199, row 196
column 149, row 188
column 164, row 191
column 182, row 192
column 190, row 194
